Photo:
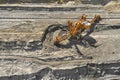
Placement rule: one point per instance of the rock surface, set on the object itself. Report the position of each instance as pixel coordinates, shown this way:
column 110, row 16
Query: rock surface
column 113, row 6
column 22, row 57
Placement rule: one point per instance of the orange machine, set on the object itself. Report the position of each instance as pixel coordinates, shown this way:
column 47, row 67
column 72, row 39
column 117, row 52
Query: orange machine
column 77, row 28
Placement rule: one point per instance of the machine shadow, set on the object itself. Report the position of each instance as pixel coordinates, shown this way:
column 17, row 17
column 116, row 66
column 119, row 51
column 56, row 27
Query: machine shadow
column 86, row 41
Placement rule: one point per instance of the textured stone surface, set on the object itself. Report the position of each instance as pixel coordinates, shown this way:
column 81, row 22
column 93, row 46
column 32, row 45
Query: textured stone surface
column 22, row 56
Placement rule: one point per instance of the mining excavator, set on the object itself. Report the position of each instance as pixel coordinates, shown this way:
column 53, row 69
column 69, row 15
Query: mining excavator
column 77, row 28
column 59, row 36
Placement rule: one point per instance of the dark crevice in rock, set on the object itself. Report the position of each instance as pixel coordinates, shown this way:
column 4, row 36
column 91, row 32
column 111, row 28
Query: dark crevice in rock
column 94, row 70
column 60, row 59
column 106, row 27
column 10, row 8
column 20, row 45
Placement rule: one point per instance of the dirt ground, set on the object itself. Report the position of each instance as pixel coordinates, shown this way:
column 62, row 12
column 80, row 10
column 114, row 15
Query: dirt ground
column 113, row 6
column 106, row 42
